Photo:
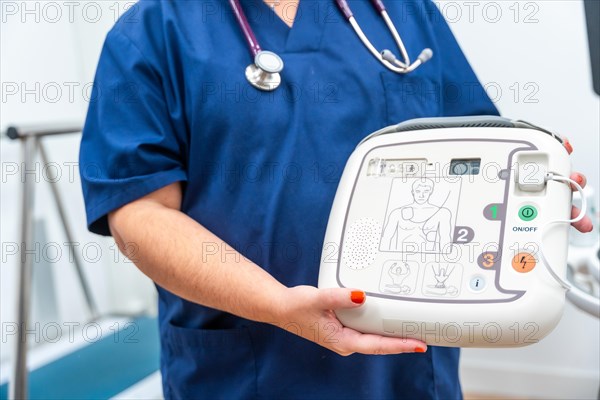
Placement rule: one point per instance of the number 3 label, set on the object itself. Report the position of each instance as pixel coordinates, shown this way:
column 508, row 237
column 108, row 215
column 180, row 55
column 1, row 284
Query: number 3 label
column 487, row 260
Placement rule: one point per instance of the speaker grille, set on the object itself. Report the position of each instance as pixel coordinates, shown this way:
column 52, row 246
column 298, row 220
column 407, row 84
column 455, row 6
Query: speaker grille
column 361, row 243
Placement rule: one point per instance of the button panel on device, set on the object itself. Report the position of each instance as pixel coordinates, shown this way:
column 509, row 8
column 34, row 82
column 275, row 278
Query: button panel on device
column 524, row 262
column 528, row 213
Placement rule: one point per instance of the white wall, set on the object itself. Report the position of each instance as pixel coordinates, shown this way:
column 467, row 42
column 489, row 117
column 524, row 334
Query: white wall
column 543, row 52
column 47, row 63
column 545, row 55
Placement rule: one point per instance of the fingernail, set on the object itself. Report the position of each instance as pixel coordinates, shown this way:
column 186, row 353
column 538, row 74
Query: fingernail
column 420, row 349
column 579, row 179
column 358, row 296
column 568, row 146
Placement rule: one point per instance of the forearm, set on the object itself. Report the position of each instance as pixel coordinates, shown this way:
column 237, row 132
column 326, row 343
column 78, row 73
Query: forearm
column 179, row 255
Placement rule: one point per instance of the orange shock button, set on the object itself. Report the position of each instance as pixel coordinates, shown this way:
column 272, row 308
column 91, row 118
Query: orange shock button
column 523, row 262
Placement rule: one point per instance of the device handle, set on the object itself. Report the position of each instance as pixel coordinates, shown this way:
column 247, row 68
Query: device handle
column 477, row 121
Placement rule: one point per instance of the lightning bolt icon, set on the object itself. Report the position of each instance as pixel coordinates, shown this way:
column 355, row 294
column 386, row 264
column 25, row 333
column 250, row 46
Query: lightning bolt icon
column 523, row 262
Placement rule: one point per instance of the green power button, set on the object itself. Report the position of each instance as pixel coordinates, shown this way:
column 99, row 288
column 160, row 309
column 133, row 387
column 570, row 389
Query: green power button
column 528, row 213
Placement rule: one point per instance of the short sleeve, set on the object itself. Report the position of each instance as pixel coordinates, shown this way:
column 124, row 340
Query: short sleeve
column 131, row 144
column 462, row 91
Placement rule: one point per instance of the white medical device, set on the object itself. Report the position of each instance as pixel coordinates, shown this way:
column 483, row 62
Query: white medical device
column 450, row 225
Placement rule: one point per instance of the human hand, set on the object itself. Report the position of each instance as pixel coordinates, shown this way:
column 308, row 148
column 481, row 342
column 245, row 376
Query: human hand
column 308, row 312
column 585, row 225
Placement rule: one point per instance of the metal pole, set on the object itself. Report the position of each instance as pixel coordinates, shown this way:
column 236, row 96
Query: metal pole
column 91, row 304
column 20, row 132
column 18, row 385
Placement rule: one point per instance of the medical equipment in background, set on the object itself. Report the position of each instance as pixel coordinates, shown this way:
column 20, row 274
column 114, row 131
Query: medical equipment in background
column 584, row 259
column 583, row 265
column 584, row 252
column 444, row 222
column 31, row 143
column 592, row 17
column 584, row 273
column 264, row 72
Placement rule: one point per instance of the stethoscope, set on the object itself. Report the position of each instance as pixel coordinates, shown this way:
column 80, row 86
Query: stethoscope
column 263, row 73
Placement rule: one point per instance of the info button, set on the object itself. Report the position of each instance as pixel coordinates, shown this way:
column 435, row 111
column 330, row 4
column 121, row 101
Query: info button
column 528, row 213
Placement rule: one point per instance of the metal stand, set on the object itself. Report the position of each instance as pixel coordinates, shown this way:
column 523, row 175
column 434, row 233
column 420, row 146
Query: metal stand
column 30, row 143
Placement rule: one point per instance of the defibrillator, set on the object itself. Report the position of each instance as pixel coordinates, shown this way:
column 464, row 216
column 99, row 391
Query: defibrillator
column 456, row 229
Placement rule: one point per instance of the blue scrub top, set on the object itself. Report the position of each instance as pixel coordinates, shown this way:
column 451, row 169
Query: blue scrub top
column 171, row 103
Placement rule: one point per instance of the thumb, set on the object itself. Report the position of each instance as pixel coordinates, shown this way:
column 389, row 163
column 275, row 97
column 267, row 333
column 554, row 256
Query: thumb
column 336, row 298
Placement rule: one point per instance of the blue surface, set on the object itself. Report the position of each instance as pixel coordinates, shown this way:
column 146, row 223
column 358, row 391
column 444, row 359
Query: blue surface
column 101, row 369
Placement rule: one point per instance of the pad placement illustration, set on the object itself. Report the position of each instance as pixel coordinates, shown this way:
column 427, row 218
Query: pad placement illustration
column 420, row 215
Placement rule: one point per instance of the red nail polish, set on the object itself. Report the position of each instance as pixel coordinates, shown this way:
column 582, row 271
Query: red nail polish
column 358, row 296
column 568, row 146
column 579, row 179
column 420, row 349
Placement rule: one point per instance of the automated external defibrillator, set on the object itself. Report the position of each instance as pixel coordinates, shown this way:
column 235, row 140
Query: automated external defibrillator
column 457, row 230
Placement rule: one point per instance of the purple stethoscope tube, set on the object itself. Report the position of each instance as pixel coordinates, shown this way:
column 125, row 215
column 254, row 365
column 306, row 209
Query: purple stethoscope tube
column 345, row 7
column 264, row 72
column 240, row 16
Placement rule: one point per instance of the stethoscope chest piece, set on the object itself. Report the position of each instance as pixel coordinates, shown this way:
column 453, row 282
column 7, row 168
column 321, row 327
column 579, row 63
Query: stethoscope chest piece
column 264, row 74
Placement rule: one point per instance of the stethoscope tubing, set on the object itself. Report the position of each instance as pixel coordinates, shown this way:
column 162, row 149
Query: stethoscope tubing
column 249, row 36
column 265, row 79
column 381, row 9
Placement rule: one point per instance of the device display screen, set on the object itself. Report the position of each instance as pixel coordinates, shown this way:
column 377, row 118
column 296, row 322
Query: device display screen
column 465, row 166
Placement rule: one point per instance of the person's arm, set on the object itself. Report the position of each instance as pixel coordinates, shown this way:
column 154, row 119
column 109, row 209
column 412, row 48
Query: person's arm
column 178, row 254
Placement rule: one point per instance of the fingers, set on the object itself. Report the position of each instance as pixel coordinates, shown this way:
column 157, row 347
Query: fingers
column 355, row 342
column 585, row 225
column 579, row 178
column 336, row 298
column 567, row 145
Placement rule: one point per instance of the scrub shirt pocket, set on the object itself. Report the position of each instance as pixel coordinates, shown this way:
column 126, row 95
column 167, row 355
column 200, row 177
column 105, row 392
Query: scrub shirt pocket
column 209, row 363
column 410, row 96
